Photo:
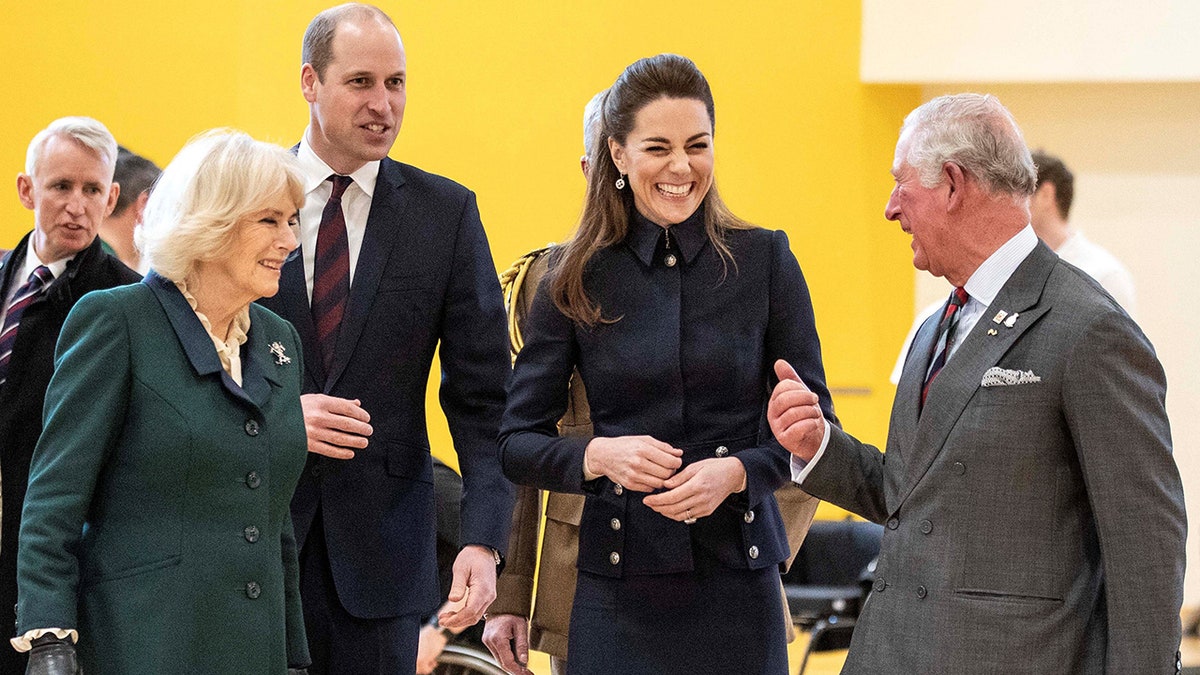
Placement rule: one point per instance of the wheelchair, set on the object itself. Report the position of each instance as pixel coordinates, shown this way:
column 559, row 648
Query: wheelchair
column 466, row 659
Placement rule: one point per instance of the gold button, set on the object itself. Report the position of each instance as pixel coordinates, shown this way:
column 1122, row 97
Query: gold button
column 754, row 553
column 749, row 517
column 615, row 524
column 614, row 558
column 618, row 490
column 670, row 260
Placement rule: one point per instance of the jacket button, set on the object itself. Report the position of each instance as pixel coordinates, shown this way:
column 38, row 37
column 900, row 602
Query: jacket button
column 753, row 553
column 880, row 584
column 615, row 523
column 670, row 260
column 614, row 558
column 926, row 527
column 251, row 427
column 252, row 480
column 921, row 592
column 618, row 490
column 251, row 533
column 315, row 471
column 893, row 523
column 722, row 451
column 748, row 517
column 253, row 590
column 960, row 468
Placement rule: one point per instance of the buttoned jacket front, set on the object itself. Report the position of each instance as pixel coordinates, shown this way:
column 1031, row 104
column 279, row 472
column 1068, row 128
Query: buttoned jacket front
column 157, row 518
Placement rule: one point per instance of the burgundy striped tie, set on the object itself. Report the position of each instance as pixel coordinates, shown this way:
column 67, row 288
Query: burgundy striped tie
column 945, row 338
column 26, row 294
column 331, row 273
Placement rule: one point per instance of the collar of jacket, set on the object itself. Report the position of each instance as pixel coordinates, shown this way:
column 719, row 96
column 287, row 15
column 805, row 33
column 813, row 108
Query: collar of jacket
column 688, row 236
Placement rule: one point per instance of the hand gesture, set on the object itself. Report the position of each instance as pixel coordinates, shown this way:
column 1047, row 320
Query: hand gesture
column 472, row 590
column 698, row 489
column 638, row 463
column 336, row 426
column 794, row 414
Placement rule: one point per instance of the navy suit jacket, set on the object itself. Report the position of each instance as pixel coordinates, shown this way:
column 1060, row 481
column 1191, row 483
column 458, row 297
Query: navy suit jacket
column 424, row 281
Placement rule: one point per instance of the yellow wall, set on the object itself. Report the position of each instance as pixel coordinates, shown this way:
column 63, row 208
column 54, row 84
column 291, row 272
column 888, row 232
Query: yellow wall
column 495, row 99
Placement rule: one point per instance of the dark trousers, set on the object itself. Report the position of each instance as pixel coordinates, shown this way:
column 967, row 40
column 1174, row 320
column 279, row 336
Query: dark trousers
column 341, row 644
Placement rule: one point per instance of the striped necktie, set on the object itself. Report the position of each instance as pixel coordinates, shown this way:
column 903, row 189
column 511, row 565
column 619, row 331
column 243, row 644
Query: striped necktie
column 26, row 294
column 331, row 272
column 945, row 341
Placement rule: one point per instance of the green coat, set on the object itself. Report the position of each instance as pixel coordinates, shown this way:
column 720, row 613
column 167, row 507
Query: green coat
column 157, row 518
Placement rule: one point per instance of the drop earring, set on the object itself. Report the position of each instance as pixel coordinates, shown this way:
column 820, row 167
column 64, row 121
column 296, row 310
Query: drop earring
column 620, row 182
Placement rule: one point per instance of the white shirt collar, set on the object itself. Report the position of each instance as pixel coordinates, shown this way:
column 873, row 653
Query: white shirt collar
column 316, row 171
column 32, row 262
column 991, row 276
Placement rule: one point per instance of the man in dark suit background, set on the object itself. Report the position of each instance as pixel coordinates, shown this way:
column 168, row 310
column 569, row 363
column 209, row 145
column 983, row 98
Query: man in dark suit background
column 394, row 264
column 68, row 185
column 1034, row 515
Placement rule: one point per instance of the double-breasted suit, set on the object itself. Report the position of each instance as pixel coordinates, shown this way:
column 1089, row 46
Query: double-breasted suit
column 21, row 397
column 157, row 519
column 1034, row 517
column 424, row 281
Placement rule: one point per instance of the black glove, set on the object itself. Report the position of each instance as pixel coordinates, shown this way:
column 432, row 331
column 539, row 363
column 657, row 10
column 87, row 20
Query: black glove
column 52, row 655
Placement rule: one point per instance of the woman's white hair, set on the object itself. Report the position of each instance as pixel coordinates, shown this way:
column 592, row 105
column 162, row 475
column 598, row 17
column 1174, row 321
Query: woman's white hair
column 217, row 179
column 976, row 132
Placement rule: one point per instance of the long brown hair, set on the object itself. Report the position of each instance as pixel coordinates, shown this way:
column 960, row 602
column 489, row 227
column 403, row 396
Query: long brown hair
column 605, row 218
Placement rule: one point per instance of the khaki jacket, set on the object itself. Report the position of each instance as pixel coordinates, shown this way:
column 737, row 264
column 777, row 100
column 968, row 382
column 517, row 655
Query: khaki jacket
column 548, row 606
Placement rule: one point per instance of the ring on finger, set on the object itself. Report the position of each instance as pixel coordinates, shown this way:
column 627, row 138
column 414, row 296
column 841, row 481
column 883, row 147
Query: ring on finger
column 689, row 519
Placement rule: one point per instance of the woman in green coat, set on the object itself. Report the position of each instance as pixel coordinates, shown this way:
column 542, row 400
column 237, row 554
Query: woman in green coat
column 156, row 535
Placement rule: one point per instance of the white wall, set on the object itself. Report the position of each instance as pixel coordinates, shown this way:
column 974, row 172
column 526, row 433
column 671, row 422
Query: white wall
column 927, row 41
column 1134, row 152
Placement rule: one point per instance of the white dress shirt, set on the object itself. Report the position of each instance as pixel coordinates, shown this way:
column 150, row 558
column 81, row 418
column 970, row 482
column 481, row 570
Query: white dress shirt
column 356, row 206
column 983, row 286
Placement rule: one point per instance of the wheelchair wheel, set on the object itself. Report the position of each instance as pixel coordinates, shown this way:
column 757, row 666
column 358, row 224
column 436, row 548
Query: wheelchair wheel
column 466, row 660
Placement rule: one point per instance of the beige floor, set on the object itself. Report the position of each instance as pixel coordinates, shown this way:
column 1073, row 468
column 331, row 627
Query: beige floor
column 830, row 663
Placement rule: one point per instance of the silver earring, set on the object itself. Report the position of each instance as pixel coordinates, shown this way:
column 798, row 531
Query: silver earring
column 620, row 182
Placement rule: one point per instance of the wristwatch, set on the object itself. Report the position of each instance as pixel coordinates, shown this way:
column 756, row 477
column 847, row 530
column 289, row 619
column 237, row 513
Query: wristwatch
column 496, row 556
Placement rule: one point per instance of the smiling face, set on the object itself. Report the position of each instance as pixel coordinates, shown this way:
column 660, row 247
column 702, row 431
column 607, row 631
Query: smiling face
column 922, row 213
column 249, row 267
column 357, row 106
column 668, row 157
column 70, row 195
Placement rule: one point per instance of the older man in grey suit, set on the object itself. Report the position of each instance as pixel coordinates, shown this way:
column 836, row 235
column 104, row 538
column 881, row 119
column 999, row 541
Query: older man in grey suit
column 1034, row 515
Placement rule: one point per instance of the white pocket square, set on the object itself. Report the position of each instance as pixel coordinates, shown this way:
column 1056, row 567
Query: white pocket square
column 1002, row 377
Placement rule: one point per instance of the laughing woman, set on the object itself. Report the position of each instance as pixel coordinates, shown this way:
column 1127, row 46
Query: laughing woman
column 673, row 310
column 156, row 536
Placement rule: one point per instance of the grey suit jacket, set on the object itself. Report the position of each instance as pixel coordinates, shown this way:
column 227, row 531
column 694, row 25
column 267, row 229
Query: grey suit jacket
column 1030, row 528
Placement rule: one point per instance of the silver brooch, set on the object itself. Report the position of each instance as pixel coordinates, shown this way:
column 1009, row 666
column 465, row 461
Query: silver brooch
column 280, row 357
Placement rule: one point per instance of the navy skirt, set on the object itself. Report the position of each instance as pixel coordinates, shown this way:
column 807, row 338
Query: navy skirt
column 713, row 621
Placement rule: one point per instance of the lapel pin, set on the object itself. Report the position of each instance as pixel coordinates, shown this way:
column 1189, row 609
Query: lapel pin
column 280, row 357
column 992, row 331
column 999, row 316
column 1012, row 320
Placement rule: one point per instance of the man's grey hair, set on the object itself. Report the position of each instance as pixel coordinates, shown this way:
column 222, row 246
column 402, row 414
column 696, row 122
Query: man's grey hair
column 591, row 119
column 976, row 132
column 84, row 130
column 317, row 48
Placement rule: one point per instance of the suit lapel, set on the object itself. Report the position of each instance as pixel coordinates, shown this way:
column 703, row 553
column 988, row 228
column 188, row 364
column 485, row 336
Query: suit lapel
column 384, row 229
column 958, row 381
column 906, row 408
column 293, row 302
column 259, row 367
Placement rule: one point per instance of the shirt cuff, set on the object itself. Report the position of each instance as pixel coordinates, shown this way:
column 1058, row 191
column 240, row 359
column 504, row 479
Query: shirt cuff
column 22, row 643
column 801, row 468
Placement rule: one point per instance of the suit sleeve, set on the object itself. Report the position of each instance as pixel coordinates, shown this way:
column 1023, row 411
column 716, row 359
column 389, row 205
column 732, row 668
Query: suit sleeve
column 86, row 404
column 475, row 364
column 791, row 335
column 850, row 475
column 1114, row 401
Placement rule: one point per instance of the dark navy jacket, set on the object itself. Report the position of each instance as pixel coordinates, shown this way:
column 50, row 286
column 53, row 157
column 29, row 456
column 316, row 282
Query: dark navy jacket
column 688, row 360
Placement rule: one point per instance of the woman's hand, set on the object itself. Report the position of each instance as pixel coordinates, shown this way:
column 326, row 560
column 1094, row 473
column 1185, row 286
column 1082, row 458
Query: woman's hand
column 640, row 463
column 699, row 489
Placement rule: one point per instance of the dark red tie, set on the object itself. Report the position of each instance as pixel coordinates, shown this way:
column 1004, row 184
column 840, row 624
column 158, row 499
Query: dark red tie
column 331, row 272
column 25, row 295
column 945, row 339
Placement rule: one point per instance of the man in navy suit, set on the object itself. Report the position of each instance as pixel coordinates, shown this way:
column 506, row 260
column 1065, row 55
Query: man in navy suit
column 393, row 265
